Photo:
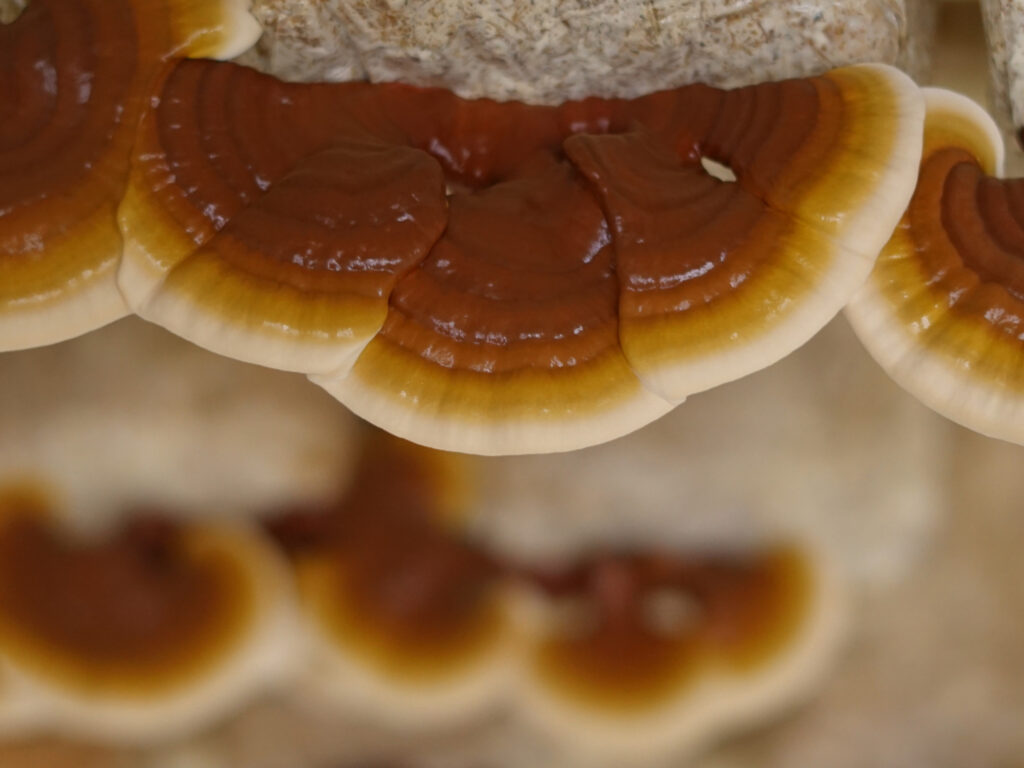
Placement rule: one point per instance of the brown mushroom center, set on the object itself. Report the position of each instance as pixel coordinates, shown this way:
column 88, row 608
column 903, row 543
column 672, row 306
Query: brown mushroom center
column 135, row 611
column 519, row 271
column 662, row 620
column 384, row 573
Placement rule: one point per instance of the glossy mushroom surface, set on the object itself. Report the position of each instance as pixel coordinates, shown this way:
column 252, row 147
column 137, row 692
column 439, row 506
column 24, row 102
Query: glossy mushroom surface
column 943, row 310
column 74, row 77
column 500, row 278
column 480, row 276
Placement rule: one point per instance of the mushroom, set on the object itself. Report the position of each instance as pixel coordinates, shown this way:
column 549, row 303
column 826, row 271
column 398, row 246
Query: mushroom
column 406, row 620
column 496, row 278
column 660, row 655
column 73, row 80
column 145, row 634
column 942, row 311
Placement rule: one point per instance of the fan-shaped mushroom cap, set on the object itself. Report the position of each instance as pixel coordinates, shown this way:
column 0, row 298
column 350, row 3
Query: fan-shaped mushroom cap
column 73, row 79
column 942, row 311
column 147, row 634
column 308, row 227
column 663, row 655
column 415, row 633
column 406, row 620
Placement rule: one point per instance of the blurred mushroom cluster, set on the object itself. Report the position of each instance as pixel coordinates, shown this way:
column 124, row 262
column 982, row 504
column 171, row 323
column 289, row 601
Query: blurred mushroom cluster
column 519, row 234
column 372, row 579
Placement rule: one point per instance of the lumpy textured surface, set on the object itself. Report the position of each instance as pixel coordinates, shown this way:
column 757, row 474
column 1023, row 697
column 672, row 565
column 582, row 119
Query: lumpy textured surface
column 545, row 51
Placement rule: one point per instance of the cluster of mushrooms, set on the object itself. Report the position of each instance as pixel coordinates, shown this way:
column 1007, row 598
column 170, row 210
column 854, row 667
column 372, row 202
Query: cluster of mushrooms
column 491, row 277
column 378, row 606
column 474, row 276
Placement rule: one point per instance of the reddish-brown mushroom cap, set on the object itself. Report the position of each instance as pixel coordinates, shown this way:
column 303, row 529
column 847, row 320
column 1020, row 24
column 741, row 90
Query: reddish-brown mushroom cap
column 144, row 634
column 406, row 619
column 943, row 310
column 496, row 278
column 73, row 79
column 413, row 628
column 664, row 653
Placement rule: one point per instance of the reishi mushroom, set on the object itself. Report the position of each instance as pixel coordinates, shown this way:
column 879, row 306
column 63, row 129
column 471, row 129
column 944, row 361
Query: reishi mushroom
column 943, row 310
column 74, row 77
column 405, row 619
column 474, row 275
column 649, row 654
column 398, row 618
column 462, row 272
column 657, row 655
column 145, row 633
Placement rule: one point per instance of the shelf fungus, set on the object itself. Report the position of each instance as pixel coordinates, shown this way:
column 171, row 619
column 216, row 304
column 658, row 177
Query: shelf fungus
column 943, row 310
column 644, row 657
column 145, row 633
column 406, row 619
column 74, row 76
column 499, row 278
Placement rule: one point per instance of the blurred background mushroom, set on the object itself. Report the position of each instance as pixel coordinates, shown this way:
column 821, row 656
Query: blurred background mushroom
column 407, row 620
column 650, row 658
column 145, row 633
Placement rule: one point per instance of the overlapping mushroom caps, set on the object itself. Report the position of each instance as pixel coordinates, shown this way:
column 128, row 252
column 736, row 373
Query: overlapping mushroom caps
column 143, row 634
column 498, row 278
column 475, row 275
column 74, row 76
column 651, row 656
column 406, row 620
column 943, row 310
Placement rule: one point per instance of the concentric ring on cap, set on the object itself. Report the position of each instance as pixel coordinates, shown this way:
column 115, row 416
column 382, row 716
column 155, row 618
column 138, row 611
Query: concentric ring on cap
column 943, row 310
